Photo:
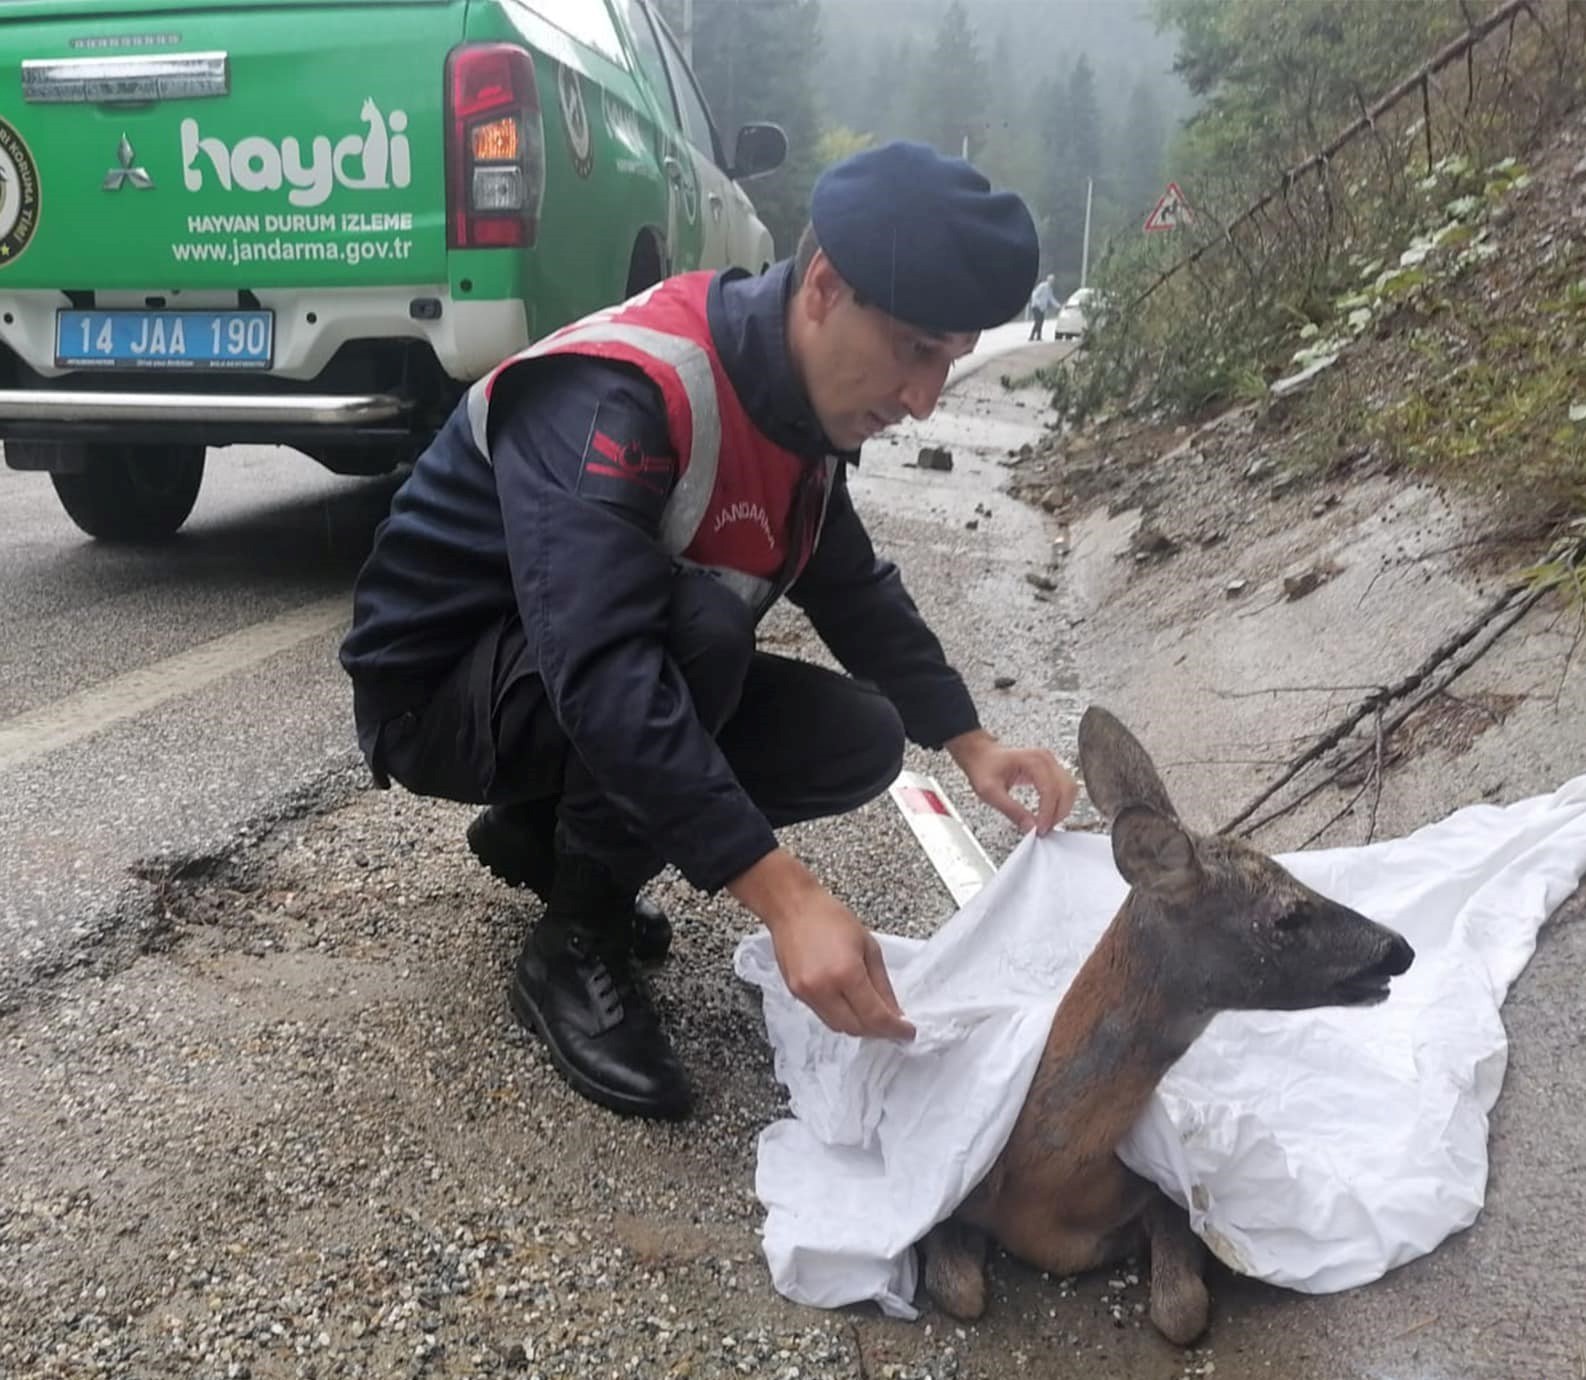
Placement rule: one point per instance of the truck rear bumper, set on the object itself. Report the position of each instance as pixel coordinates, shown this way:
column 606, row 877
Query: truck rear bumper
column 32, row 405
column 467, row 338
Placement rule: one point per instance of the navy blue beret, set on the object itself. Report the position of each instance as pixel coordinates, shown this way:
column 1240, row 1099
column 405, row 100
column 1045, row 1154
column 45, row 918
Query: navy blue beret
column 924, row 238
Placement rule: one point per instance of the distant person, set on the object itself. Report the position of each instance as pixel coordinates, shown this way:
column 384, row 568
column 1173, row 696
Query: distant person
column 558, row 618
column 1042, row 300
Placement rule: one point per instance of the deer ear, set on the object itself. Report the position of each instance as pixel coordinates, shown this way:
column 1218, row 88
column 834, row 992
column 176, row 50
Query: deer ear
column 1118, row 772
column 1153, row 852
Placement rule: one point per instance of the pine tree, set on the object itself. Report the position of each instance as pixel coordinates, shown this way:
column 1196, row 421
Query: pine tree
column 757, row 62
column 1139, row 151
column 1049, row 117
column 875, row 103
column 1280, row 79
column 1085, row 120
column 950, row 93
column 1010, row 155
column 842, row 81
column 1070, row 134
column 899, row 85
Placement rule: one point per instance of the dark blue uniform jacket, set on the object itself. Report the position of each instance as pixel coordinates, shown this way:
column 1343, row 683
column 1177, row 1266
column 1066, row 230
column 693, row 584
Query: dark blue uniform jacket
column 469, row 541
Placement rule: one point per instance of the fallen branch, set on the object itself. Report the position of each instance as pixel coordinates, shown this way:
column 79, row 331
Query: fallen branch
column 1569, row 656
column 1387, row 695
column 1376, row 793
column 1290, row 690
column 1428, row 693
column 1372, row 782
column 1345, row 809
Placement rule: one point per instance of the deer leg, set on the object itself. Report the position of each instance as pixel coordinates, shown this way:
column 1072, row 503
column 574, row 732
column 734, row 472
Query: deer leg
column 955, row 1268
column 1180, row 1304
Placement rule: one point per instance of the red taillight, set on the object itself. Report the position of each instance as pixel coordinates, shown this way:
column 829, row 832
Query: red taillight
column 495, row 148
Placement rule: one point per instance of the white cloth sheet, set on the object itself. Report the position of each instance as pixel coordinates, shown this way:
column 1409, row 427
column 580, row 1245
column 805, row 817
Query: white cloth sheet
column 1315, row 1150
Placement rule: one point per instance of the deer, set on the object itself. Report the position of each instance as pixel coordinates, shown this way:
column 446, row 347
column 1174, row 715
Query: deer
column 1209, row 924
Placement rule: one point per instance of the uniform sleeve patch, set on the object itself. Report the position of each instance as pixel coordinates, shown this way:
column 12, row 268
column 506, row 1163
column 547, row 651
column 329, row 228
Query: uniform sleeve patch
column 628, row 464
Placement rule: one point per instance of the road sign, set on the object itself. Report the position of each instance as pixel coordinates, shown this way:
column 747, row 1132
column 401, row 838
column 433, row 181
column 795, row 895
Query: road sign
column 1171, row 211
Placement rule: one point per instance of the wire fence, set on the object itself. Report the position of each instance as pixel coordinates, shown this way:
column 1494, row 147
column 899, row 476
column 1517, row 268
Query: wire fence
column 1192, row 324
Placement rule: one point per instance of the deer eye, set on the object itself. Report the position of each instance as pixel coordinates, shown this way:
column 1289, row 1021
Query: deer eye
column 1292, row 918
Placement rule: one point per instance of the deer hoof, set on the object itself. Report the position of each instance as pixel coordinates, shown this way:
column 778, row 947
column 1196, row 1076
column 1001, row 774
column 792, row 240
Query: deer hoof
column 955, row 1273
column 1180, row 1308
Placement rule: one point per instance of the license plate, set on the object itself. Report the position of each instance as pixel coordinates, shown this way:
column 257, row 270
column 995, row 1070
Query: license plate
column 164, row 339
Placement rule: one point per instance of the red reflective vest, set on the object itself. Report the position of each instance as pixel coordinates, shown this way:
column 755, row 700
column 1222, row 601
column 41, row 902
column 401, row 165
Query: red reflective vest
column 743, row 508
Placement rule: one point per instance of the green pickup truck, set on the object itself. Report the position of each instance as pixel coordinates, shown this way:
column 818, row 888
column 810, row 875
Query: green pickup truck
column 314, row 222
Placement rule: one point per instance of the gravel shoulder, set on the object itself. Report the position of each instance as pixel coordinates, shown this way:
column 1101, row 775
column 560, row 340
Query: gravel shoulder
column 287, row 1128
column 1233, row 601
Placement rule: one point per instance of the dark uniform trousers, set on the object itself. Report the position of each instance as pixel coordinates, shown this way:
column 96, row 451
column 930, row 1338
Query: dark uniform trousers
column 804, row 742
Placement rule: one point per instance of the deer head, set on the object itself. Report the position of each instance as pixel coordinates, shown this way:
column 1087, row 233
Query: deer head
column 1233, row 929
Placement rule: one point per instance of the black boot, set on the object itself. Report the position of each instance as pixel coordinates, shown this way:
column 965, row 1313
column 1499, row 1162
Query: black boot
column 574, row 985
column 516, row 843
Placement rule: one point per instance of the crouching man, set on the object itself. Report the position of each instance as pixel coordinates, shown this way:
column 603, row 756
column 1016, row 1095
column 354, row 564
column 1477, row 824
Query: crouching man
column 558, row 617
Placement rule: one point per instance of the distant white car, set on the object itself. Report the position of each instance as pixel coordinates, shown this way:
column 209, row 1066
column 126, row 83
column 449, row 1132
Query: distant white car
column 1077, row 314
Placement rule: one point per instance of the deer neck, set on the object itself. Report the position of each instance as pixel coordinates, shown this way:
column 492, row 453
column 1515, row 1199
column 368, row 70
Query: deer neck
column 1120, row 1026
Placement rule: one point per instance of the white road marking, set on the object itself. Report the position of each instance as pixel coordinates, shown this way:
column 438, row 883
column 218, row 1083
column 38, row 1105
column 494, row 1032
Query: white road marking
column 81, row 715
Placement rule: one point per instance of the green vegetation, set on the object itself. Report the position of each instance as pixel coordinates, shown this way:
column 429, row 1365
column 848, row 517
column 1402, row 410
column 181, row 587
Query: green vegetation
column 1279, row 80
column 1376, row 247
column 1564, row 569
column 1501, row 404
column 1045, row 96
column 1375, row 238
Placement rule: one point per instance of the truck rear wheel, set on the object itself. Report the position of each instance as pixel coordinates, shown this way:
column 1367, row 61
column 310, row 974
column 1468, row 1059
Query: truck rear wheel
column 131, row 493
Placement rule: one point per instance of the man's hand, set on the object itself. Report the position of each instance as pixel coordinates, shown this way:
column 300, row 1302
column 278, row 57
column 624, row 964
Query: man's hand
column 994, row 770
column 829, row 961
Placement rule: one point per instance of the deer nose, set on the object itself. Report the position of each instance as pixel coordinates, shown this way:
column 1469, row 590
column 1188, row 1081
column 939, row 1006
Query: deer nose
column 1398, row 958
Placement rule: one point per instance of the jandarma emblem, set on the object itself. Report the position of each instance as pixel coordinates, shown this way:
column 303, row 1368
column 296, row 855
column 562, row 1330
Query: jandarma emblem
column 19, row 194
column 119, row 177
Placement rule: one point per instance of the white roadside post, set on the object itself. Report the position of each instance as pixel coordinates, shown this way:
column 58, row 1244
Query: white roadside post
column 954, row 852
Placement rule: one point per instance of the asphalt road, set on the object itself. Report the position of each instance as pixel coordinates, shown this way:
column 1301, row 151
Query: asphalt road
column 151, row 699
column 154, row 700
column 253, row 1140
column 284, row 1126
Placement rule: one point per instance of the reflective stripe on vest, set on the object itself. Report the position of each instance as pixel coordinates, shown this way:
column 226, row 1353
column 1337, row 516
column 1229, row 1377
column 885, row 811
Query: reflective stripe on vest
column 690, row 498
column 685, row 371
column 750, row 588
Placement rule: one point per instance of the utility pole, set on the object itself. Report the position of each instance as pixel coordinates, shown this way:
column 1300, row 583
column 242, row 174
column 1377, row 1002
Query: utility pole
column 1084, row 261
column 688, row 31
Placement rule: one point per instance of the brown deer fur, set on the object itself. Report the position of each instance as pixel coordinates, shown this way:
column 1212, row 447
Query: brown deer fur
column 1210, row 924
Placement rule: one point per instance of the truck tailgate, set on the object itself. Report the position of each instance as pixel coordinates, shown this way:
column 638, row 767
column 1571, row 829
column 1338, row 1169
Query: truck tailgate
column 202, row 145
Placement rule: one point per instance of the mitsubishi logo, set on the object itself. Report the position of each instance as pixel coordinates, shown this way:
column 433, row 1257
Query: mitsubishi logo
column 117, row 178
